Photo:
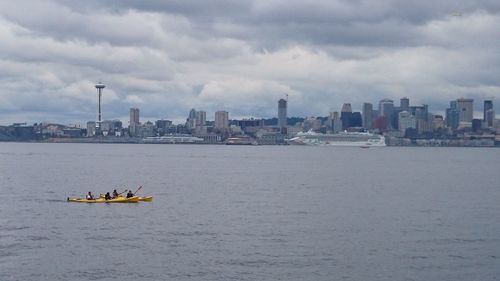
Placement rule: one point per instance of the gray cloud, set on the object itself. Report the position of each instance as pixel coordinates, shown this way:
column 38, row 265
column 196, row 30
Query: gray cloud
column 169, row 56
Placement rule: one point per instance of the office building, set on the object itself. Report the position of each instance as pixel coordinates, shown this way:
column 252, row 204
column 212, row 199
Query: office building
column 452, row 118
column 346, row 115
column 406, row 120
column 201, row 118
column 191, row 120
column 404, row 104
column 465, row 110
column 386, row 109
column 337, row 123
column 367, row 113
column 221, row 120
column 488, row 113
column 134, row 116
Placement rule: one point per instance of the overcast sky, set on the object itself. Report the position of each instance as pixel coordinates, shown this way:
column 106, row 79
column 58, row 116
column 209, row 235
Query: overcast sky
column 167, row 57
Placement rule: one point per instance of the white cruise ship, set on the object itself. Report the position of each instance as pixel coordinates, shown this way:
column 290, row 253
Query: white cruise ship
column 339, row 139
column 173, row 139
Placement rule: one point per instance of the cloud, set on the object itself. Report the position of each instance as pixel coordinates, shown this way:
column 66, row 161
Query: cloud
column 242, row 56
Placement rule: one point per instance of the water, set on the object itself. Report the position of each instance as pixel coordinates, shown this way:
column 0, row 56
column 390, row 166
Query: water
column 250, row 213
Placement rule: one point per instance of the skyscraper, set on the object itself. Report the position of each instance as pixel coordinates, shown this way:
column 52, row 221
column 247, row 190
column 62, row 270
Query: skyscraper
column 201, row 118
column 465, row 109
column 337, row 123
column 385, row 109
column 134, row 116
column 452, row 119
column 346, row 115
column 488, row 113
column 134, row 121
column 404, row 104
column 367, row 116
column 221, row 120
column 282, row 118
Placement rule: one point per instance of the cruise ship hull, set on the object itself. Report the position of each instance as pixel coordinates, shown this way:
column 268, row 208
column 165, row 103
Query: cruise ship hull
column 341, row 139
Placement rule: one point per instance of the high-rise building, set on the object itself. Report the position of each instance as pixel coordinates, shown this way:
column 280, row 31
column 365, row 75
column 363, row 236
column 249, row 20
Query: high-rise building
column 465, row 109
column 404, row 104
column 221, row 120
column 346, row 115
column 452, row 118
column 191, row 120
column 337, row 123
column 134, row 127
column 282, row 117
column 488, row 113
column 134, row 116
column 201, row 118
column 386, row 109
column 406, row 120
column 367, row 116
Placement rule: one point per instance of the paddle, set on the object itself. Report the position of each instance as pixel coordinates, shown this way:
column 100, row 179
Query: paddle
column 138, row 189
column 122, row 192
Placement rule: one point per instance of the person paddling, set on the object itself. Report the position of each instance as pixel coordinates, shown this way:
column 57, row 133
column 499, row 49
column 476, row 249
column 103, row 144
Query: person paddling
column 115, row 194
column 90, row 196
column 130, row 194
column 107, row 196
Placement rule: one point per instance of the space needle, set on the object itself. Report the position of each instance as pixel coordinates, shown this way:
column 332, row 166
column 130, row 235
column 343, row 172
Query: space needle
column 99, row 86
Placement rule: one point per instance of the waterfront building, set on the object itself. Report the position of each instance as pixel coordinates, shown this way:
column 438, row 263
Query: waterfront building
column 111, row 126
column 476, row 125
column 268, row 137
column 163, row 127
column 488, row 113
column 465, row 109
column 293, row 130
column 367, row 113
column 221, row 120
column 250, row 126
column 282, row 115
column 91, row 128
column 405, row 121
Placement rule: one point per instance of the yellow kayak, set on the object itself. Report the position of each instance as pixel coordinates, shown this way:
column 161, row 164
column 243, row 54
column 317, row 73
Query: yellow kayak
column 134, row 199
column 141, row 198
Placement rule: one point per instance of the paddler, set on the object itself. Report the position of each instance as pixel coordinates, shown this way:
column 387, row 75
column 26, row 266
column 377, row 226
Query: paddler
column 90, row 196
column 115, row 194
column 130, row 194
column 107, row 196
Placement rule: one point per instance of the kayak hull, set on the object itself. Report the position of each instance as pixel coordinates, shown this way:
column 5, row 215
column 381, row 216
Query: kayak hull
column 141, row 198
column 134, row 199
column 146, row 198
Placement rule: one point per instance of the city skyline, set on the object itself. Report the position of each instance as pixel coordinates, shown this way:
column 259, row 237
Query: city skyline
column 477, row 112
column 240, row 57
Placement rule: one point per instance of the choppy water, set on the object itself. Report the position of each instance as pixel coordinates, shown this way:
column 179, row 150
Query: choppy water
column 250, row 213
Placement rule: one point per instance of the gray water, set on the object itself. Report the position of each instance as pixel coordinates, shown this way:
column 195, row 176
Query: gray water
column 250, row 213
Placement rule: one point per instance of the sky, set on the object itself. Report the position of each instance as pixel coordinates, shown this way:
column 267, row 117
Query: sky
column 167, row 57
